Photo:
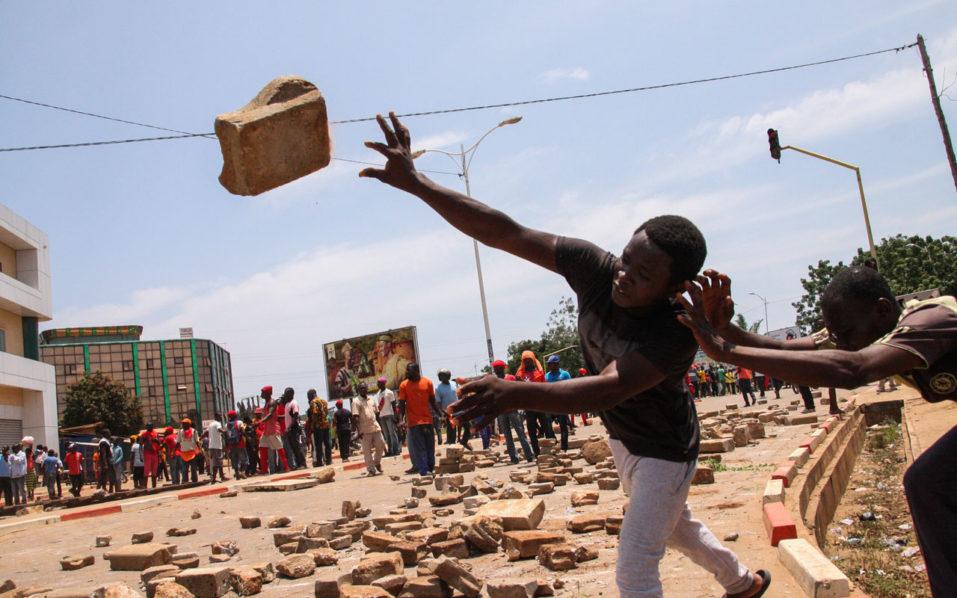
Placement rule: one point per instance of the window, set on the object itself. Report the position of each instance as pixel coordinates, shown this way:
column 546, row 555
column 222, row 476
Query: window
column 70, row 369
column 128, row 366
column 3, row 338
column 177, row 361
column 150, row 364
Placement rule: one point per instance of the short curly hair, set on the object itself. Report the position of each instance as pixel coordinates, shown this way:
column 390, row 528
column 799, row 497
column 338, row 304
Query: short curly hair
column 861, row 284
column 681, row 240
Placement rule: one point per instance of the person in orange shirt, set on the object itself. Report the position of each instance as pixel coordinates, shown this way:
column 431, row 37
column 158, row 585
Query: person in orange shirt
column 530, row 370
column 744, row 383
column 74, row 466
column 417, row 402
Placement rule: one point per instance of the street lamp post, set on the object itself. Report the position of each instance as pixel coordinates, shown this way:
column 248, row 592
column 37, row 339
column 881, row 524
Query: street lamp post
column 465, row 156
column 765, row 301
column 776, row 150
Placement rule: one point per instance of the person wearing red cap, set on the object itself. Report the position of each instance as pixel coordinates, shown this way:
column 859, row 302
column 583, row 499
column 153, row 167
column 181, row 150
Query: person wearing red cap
column 512, row 421
column 342, row 418
column 236, row 444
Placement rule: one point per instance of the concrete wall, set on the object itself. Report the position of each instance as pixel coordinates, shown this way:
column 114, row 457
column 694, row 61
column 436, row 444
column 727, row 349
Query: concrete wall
column 8, row 260
column 12, row 326
column 26, row 291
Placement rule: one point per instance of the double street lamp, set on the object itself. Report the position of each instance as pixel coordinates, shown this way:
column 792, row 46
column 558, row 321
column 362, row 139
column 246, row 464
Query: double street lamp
column 463, row 159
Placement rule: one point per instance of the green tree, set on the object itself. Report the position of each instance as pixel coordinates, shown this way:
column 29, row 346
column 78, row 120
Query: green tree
column 96, row 397
column 909, row 264
column 912, row 264
column 561, row 332
column 742, row 323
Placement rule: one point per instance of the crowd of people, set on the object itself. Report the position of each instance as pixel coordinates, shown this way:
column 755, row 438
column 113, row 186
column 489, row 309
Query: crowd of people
column 276, row 437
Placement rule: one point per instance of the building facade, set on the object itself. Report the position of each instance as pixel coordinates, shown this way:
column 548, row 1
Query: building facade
column 172, row 378
column 27, row 387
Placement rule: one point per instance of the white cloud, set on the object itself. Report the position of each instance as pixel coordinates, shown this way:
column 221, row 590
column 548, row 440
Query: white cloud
column 577, row 73
column 142, row 304
column 716, row 145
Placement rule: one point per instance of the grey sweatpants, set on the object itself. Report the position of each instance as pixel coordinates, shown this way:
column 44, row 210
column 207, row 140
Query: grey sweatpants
column 658, row 516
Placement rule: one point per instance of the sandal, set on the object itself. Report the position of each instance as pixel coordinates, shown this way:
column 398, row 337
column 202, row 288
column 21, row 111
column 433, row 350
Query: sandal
column 766, row 583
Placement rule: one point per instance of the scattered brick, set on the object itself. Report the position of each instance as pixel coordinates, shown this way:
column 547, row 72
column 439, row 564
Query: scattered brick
column 296, row 566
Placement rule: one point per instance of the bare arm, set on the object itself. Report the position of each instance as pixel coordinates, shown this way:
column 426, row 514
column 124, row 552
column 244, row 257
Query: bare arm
column 489, row 396
column 477, row 220
column 843, row 369
column 718, row 308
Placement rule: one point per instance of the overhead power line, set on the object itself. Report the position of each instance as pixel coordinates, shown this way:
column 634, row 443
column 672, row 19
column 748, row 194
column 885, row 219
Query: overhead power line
column 184, row 135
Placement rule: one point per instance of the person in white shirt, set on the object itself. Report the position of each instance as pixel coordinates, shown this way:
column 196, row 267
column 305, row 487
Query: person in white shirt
column 214, row 435
column 18, row 475
column 384, row 400
column 364, row 411
column 293, row 435
column 136, row 457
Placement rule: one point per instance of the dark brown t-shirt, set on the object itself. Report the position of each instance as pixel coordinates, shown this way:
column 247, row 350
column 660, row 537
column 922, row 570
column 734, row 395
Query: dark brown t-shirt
column 929, row 331
column 660, row 422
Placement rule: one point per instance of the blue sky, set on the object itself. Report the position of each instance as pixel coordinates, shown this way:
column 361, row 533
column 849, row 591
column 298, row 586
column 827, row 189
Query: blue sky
column 143, row 233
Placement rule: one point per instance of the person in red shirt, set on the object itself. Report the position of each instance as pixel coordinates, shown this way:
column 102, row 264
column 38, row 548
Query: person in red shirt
column 417, row 401
column 744, row 383
column 150, row 445
column 530, row 370
column 582, row 372
column 172, row 453
column 74, row 466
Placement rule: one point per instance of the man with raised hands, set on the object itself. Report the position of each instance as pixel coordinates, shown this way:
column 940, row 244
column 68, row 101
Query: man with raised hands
column 630, row 337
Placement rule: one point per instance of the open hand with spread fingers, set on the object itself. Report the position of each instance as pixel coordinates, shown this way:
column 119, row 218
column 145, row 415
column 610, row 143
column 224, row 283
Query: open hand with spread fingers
column 696, row 319
column 716, row 298
column 399, row 169
column 482, row 400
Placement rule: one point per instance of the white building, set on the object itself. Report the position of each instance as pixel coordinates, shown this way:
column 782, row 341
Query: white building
column 27, row 385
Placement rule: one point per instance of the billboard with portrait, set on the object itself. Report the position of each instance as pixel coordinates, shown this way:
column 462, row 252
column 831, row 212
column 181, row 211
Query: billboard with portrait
column 367, row 358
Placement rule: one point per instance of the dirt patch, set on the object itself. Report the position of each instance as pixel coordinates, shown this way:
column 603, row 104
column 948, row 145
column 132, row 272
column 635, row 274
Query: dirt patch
column 872, row 537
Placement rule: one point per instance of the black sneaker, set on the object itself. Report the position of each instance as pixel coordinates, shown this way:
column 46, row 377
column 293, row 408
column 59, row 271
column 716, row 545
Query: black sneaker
column 412, row 470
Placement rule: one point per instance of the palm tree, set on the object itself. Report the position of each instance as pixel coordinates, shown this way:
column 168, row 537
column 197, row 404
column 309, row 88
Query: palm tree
column 743, row 324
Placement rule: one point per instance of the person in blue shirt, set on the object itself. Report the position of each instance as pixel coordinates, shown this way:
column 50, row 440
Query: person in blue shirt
column 117, row 462
column 554, row 373
column 52, row 466
column 445, row 396
column 6, row 486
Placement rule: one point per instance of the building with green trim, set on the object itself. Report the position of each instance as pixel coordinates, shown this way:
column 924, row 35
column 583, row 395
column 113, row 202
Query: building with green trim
column 172, row 378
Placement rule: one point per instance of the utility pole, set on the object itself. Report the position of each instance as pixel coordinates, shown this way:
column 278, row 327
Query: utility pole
column 935, row 100
column 478, row 266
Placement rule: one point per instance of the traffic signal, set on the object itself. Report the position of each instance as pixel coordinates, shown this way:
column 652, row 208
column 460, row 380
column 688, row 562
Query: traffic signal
column 774, row 144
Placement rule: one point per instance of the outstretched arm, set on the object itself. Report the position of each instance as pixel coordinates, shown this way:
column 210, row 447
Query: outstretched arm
column 718, row 308
column 475, row 219
column 487, row 397
column 834, row 368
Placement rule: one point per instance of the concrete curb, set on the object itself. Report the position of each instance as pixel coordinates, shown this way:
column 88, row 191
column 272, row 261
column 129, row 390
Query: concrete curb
column 812, row 570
